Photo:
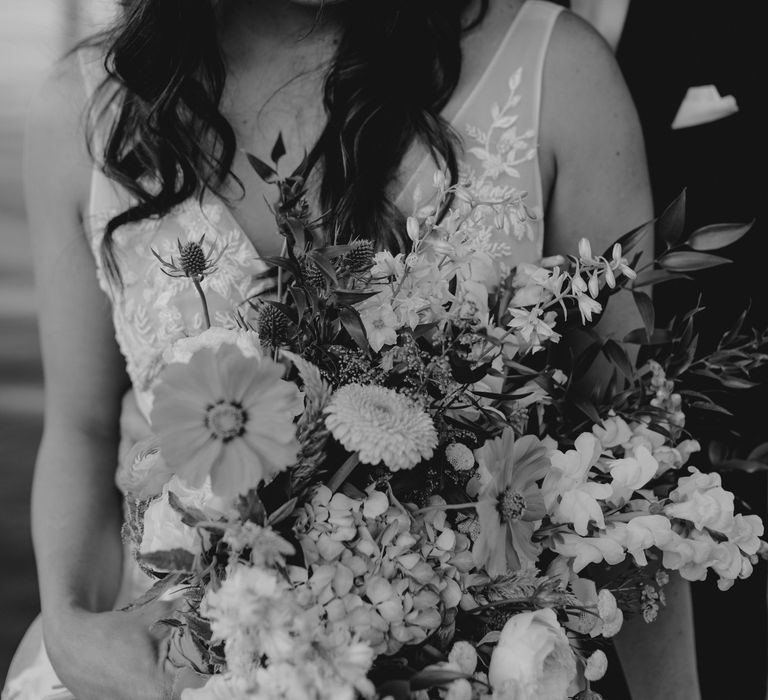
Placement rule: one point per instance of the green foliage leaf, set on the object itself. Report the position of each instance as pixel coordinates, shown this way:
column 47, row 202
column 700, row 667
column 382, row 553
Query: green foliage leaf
column 717, row 236
column 743, row 465
column 587, row 408
column 299, row 297
column 172, row 560
column 397, row 690
column 250, row 507
column 298, row 231
column 647, row 313
column 618, row 357
column 672, row 221
column 434, row 677
column 690, row 261
column 263, row 170
column 640, row 336
column 464, row 371
column 324, row 265
column 731, row 382
column 353, row 324
column 630, row 239
column 278, row 150
column 157, row 590
column 651, row 277
column 189, row 516
column 348, row 296
column 283, row 512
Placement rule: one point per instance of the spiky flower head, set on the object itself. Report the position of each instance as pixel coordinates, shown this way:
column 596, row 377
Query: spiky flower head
column 313, row 275
column 360, row 256
column 194, row 261
column 381, row 425
column 272, row 326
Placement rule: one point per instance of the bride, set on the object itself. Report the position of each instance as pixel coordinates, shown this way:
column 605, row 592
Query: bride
column 512, row 94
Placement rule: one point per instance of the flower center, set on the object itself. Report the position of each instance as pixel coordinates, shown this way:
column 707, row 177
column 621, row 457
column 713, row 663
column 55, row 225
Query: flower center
column 511, row 505
column 226, row 420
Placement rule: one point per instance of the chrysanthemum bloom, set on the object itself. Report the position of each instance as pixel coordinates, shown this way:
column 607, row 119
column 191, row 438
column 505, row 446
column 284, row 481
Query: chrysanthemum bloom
column 228, row 416
column 381, row 426
column 510, row 502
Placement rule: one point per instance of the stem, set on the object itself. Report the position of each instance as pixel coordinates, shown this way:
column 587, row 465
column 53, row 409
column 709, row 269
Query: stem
column 343, row 472
column 440, row 506
column 206, row 317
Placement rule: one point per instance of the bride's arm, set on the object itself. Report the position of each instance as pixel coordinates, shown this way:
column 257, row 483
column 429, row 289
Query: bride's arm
column 591, row 134
column 76, row 512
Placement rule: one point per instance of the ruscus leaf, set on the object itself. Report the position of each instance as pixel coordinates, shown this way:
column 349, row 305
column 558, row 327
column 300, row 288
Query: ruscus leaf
column 717, row 236
column 264, row 171
column 690, row 261
column 672, row 221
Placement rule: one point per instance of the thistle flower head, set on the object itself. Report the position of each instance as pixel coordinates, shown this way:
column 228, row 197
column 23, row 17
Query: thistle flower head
column 194, row 260
column 272, row 326
column 360, row 256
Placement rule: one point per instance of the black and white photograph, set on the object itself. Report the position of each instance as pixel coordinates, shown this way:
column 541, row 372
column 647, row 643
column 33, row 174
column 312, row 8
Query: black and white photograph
column 383, row 350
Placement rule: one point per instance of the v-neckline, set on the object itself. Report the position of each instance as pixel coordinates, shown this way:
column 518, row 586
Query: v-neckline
column 408, row 185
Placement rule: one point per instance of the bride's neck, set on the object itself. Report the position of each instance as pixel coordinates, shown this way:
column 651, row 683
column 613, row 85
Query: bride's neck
column 266, row 26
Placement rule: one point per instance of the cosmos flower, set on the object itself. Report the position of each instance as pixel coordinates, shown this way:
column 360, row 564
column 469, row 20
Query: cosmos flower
column 510, row 502
column 381, row 425
column 226, row 416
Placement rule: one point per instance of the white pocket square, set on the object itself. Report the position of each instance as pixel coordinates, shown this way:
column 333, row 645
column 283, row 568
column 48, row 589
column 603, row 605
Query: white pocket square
column 703, row 104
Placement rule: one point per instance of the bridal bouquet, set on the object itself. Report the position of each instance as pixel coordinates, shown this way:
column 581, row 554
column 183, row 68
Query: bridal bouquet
column 395, row 478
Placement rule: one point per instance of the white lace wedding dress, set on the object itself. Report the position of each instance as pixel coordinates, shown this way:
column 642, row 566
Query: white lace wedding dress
column 499, row 127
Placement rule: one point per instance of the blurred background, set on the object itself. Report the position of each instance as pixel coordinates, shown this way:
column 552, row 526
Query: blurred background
column 33, row 33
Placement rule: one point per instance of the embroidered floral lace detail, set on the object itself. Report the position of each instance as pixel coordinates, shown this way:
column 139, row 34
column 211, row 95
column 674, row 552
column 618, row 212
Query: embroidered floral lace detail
column 151, row 310
column 491, row 168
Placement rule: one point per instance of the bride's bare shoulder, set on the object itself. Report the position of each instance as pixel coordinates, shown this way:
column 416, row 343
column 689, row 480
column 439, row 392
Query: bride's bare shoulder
column 56, row 159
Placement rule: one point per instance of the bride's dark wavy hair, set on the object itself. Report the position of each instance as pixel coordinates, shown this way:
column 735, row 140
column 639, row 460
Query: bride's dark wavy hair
column 396, row 66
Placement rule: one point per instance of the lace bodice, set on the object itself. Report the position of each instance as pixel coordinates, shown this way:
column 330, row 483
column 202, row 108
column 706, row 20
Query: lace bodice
column 498, row 124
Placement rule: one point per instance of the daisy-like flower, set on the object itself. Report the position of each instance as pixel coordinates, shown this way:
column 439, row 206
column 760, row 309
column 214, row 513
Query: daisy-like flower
column 509, row 502
column 226, row 416
column 381, row 425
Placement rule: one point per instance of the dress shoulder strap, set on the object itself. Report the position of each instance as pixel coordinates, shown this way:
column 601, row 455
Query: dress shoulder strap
column 523, row 48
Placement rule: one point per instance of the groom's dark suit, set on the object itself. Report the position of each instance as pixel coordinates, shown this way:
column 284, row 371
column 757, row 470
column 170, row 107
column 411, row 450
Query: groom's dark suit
column 668, row 46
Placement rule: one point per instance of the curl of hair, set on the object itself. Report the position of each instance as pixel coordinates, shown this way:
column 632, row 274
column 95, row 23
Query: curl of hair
column 396, row 66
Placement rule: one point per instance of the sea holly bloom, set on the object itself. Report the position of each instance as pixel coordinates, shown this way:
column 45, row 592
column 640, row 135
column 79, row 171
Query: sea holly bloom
column 226, row 416
column 381, row 425
column 510, row 502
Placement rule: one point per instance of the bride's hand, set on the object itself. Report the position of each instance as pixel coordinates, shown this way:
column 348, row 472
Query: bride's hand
column 119, row 655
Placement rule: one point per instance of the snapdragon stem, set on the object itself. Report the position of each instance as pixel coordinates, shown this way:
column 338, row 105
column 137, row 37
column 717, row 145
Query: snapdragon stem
column 335, row 482
column 206, row 317
column 446, row 506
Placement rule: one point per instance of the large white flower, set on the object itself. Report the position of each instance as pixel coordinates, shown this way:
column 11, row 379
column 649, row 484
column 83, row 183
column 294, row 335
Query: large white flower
column 701, row 499
column 381, row 425
column 163, row 529
column 533, row 659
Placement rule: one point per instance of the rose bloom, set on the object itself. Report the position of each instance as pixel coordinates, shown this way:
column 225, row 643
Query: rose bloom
column 533, row 659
